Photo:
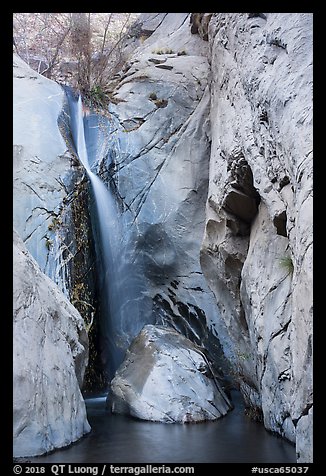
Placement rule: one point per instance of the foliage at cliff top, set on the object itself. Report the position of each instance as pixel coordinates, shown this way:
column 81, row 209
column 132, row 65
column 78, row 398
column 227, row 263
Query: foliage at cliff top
column 83, row 50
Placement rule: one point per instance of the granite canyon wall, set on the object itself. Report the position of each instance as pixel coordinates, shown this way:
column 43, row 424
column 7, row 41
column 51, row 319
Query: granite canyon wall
column 257, row 249
column 210, row 161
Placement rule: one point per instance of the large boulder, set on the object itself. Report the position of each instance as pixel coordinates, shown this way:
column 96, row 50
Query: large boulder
column 50, row 356
column 257, row 249
column 166, row 378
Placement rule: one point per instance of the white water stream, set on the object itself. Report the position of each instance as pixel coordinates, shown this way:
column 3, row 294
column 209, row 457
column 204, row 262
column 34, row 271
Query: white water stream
column 124, row 305
column 110, row 236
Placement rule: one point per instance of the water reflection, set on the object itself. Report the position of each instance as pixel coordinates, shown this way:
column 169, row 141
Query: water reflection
column 119, row 439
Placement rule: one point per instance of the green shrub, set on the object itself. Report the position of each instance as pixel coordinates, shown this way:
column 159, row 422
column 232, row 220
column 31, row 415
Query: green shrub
column 160, row 103
column 163, row 51
column 48, row 243
column 287, row 264
column 98, row 97
column 56, row 221
column 254, row 413
column 243, row 356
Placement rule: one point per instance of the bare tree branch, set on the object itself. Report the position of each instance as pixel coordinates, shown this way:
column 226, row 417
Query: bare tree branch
column 52, row 43
column 106, row 59
column 105, row 33
column 54, row 59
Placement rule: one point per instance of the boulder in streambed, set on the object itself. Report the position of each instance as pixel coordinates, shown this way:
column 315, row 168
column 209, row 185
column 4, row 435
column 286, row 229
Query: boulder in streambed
column 166, row 378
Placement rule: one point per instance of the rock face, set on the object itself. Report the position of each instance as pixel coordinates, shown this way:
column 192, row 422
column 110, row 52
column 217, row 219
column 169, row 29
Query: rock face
column 257, row 249
column 50, row 194
column 159, row 164
column 211, row 112
column 247, row 115
column 50, row 356
column 47, row 178
column 42, row 164
column 166, row 378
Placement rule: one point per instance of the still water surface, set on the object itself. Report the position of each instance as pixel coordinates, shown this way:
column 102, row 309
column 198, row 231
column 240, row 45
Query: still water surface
column 119, row 439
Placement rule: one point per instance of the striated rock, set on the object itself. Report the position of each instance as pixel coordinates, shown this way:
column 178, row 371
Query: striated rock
column 47, row 177
column 50, row 356
column 42, row 163
column 257, row 248
column 50, row 197
column 304, row 436
column 199, row 24
column 166, row 378
column 227, row 123
column 159, row 163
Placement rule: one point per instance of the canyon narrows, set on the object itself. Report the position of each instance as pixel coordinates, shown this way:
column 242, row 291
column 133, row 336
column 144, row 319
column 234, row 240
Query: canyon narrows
column 174, row 227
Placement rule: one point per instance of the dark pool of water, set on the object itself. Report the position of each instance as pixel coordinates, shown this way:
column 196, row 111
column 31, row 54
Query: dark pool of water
column 119, row 439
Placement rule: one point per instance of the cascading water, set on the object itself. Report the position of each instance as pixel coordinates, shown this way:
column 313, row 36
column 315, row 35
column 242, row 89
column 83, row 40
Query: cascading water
column 122, row 306
column 108, row 222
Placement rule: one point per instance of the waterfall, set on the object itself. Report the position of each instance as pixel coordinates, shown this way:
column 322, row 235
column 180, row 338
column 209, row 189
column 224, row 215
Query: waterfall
column 109, row 232
column 125, row 305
